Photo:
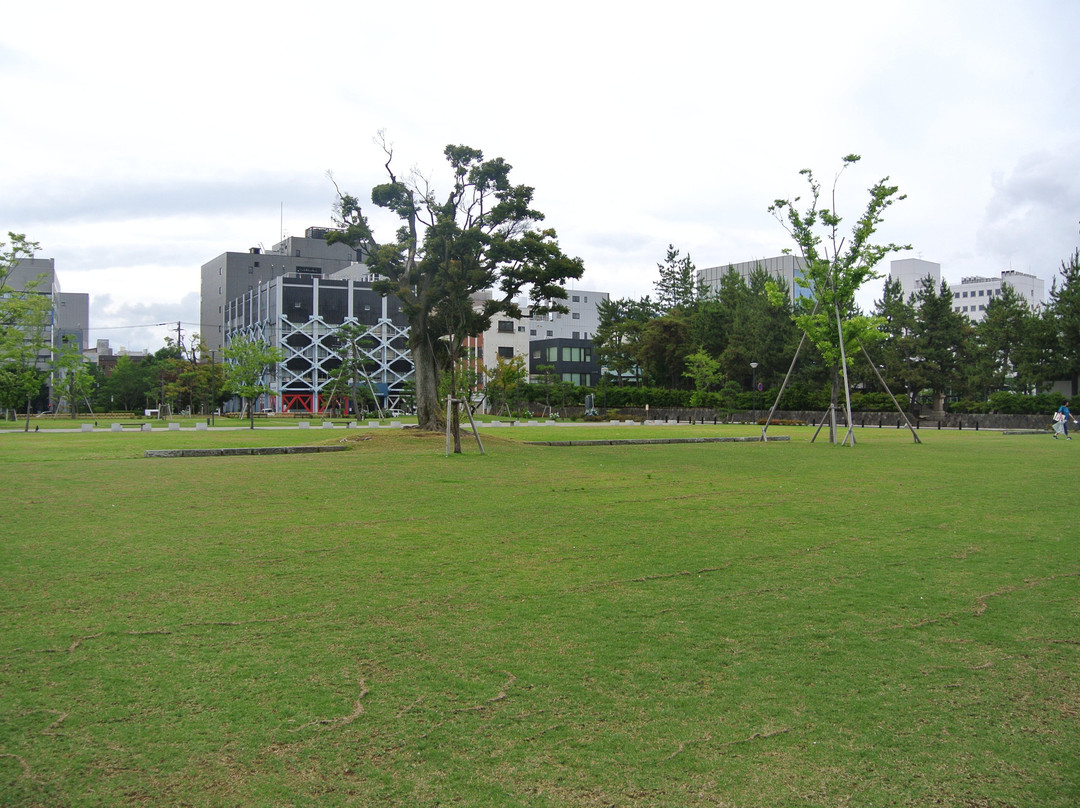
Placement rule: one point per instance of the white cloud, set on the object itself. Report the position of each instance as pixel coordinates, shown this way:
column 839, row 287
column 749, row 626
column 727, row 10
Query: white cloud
column 143, row 142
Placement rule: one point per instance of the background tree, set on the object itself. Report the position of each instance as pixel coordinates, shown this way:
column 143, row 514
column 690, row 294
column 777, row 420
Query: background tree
column 248, row 369
column 618, row 333
column 999, row 341
column 663, row 347
column 24, row 315
column 484, row 234
column 72, row 379
column 941, row 340
column 835, row 270
column 895, row 355
column 1064, row 315
column 677, row 286
column 505, row 379
column 352, row 373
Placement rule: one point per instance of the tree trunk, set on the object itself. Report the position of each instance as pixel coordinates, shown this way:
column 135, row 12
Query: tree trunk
column 427, row 385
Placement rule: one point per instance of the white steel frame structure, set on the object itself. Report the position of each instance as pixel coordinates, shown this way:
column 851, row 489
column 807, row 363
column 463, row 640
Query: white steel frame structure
column 301, row 316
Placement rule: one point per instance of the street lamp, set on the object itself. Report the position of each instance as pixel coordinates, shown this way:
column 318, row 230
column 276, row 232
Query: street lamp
column 753, row 384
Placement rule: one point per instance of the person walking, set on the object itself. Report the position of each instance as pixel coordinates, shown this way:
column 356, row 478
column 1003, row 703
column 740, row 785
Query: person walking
column 1061, row 421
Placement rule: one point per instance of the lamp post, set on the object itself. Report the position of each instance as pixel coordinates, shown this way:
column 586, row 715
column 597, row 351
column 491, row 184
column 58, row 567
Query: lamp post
column 753, row 384
column 603, row 383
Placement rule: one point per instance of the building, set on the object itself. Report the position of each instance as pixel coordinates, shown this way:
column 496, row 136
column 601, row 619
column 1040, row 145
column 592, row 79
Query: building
column 300, row 314
column 507, row 337
column 972, row 295
column 787, row 268
column 571, row 360
column 233, row 274
column 69, row 316
column 912, row 274
column 579, row 323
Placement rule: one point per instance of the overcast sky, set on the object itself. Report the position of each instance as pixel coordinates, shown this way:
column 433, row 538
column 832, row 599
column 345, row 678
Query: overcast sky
column 140, row 140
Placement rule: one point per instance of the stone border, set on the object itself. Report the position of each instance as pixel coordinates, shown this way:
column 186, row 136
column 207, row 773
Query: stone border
column 257, row 450
column 641, row 441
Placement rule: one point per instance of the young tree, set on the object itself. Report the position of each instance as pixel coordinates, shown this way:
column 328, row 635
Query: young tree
column 72, row 377
column 24, row 315
column 353, row 370
column 835, row 269
column 248, row 370
column 505, row 379
column 705, row 373
column 483, row 234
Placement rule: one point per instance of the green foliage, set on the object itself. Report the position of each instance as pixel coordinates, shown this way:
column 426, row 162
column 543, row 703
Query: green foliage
column 835, row 267
column 247, row 374
column 483, row 235
column 677, row 286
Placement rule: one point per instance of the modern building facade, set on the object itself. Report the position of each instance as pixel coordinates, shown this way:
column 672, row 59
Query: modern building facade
column 232, row 275
column 301, row 314
column 788, row 268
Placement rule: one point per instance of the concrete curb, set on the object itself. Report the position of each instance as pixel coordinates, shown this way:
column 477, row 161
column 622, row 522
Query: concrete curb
column 641, row 441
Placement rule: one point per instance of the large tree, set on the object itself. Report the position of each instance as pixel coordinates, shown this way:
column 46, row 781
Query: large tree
column 836, row 267
column 483, row 234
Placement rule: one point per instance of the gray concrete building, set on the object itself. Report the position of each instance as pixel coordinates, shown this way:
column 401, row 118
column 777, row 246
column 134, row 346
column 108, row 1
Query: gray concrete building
column 234, row 274
column 788, row 268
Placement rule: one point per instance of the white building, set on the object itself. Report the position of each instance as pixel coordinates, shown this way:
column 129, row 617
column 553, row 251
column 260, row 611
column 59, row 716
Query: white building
column 579, row 323
column 972, row 295
column 912, row 273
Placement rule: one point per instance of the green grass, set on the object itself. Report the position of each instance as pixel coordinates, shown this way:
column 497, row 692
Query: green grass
column 773, row 624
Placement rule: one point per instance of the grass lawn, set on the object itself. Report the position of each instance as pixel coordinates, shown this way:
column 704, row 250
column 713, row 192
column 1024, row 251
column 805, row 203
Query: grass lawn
column 730, row 624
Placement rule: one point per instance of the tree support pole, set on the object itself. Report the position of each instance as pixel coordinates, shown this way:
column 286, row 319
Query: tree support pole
column 783, row 387
column 896, row 403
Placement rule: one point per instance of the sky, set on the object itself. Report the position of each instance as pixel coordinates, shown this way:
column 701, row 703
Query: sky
column 141, row 140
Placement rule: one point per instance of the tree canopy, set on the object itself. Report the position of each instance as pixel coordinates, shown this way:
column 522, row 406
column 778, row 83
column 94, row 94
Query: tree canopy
column 482, row 234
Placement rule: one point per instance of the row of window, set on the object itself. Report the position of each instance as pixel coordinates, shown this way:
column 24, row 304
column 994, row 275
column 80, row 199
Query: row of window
column 553, row 353
column 982, row 293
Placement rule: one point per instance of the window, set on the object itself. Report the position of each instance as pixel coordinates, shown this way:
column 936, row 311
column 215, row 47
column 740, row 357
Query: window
column 536, row 354
column 506, row 352
column 532, row 332
column 506, row 326
column 576, row 315
column 549, row 333
column 575, row 298
column 575, row 335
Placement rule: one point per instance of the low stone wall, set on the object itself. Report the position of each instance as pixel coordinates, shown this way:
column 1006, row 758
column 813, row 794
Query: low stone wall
column 258, row 450
column 863, row 419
